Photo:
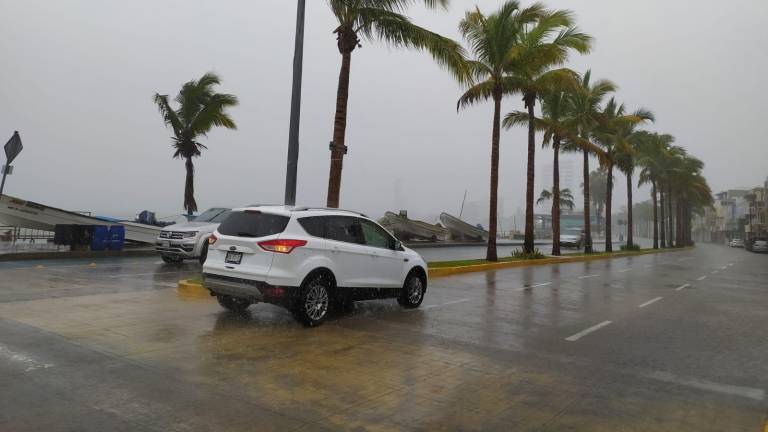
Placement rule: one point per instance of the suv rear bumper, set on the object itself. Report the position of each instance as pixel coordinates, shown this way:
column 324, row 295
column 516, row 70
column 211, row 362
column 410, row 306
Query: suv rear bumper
column 255, row 291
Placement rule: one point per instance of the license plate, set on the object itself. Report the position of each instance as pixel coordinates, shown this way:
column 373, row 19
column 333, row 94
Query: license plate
column 233, row 257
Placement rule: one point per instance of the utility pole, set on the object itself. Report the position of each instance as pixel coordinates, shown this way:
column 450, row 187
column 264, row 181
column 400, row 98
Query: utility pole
column 293, row 134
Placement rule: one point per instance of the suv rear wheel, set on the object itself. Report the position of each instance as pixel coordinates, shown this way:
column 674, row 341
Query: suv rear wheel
column 233, row 304
column 313, row 300
column 412, row 293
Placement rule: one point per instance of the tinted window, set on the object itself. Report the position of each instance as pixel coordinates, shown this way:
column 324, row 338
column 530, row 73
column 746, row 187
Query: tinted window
column 375, row 236
column 314, row 226
column 343, row 228
column 253, row 224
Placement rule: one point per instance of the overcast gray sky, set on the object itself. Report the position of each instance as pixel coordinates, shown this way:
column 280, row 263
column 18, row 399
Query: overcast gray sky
column 78, row 75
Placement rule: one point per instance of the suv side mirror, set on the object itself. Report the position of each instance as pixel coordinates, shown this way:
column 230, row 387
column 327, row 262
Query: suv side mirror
column 397, row 245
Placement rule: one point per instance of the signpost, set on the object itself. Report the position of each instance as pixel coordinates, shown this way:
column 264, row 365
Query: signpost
column 12, row 149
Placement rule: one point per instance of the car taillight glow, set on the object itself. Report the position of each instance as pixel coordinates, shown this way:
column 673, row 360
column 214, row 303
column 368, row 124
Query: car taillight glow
column 284, row 246
column 212, row 239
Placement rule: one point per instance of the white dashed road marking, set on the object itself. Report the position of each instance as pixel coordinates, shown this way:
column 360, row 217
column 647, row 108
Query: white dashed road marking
column 588, row 276
column 625, row 270
column 650, row 302
column 680, row 288
column 583, row 333
column 701, row 278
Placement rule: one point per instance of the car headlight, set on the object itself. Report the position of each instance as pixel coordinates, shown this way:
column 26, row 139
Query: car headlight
column 190, row 234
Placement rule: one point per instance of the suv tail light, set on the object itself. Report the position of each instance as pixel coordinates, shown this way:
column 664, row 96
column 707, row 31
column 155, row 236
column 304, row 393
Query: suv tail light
column 212, row 239
column 283, row 246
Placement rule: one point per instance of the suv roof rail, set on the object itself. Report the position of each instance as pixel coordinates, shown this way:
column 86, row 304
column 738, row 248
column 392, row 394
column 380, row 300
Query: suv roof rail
column 329, row 209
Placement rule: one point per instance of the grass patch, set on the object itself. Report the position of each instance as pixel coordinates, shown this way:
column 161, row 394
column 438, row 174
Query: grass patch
column 464, row 263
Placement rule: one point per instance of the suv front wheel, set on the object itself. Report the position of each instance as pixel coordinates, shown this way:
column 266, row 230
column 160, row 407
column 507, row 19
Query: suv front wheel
column 412, row 293
column 313, row 300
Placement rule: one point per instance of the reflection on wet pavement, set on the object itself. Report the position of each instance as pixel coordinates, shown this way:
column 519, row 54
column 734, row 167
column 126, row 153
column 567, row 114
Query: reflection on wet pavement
column 487, row 351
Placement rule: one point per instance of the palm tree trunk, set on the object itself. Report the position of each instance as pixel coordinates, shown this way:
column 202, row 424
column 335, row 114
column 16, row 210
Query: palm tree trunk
column 662, row 215
column 530, row 102
column 655, row 215
column 630, row 222
column 608, row 199
column 679, row 230
column 556, row 196
column 587, row 219
column 670, row 215
column 190, row 205
column 339, row 131
column 493, row 207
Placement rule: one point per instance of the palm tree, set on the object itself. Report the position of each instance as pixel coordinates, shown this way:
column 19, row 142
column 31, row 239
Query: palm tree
column 200, row 109
column 565, row 200
column 651, row 159
column 494, row 42
column 558, row 126
column 543, row 46
column 626, row 161
column 378, row 20
column 612, row 134
column 586, row 115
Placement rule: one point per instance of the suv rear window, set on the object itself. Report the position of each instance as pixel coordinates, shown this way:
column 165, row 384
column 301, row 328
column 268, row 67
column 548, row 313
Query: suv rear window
column 253, row 224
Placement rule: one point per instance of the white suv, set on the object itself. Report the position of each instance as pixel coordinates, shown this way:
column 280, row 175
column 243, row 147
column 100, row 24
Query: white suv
column 309, row 261
column 189, row 240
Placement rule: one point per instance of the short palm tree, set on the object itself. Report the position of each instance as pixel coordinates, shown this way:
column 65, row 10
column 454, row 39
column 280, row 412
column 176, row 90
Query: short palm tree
column 565, row 201
column 378, row 20
column 200, row 109
column 544, row 45
column 494, row 42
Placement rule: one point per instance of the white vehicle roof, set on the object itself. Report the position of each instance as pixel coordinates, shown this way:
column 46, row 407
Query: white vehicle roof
column 301, row 211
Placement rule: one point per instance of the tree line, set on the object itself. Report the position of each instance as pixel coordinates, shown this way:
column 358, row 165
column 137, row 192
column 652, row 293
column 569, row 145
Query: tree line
column 512, row 51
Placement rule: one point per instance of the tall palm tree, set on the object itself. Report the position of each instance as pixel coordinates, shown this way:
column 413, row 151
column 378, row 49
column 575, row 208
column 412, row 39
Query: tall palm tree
column 586, row 114
column 626, row 161
column 651, row 159
column 565, row 199
column 494, row 42
column 200, row 109
column 544, row 45
column 379, row 20
column 558, row 126
column 612, row 133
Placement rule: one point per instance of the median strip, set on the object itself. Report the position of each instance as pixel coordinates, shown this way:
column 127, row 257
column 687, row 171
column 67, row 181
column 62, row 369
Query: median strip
column 650, row 302
column 583, row 333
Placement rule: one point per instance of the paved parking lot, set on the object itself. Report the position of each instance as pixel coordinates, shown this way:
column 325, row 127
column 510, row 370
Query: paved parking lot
column 668, row 342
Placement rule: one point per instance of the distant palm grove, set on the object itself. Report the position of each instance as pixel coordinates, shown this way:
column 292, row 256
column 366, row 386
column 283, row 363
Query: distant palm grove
column 519, row 51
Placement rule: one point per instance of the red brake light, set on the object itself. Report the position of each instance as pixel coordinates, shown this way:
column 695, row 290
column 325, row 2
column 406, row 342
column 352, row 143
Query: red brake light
column 212, row 239
column 283, row 246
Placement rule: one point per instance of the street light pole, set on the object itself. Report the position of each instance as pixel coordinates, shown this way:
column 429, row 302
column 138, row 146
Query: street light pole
column 293, row 134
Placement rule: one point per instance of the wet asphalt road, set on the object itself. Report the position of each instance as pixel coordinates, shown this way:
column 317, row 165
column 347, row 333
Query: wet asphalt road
column 667, row 342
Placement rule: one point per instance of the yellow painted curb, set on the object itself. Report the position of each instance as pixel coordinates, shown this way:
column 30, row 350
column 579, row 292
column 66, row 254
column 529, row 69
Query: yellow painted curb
column 191, row 290
column 449, row 271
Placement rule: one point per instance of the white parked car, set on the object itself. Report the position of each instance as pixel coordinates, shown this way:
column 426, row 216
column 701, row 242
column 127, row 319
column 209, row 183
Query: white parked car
column 737, row 242
column 760, row 246
column 189, row 240
column 309, row 261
